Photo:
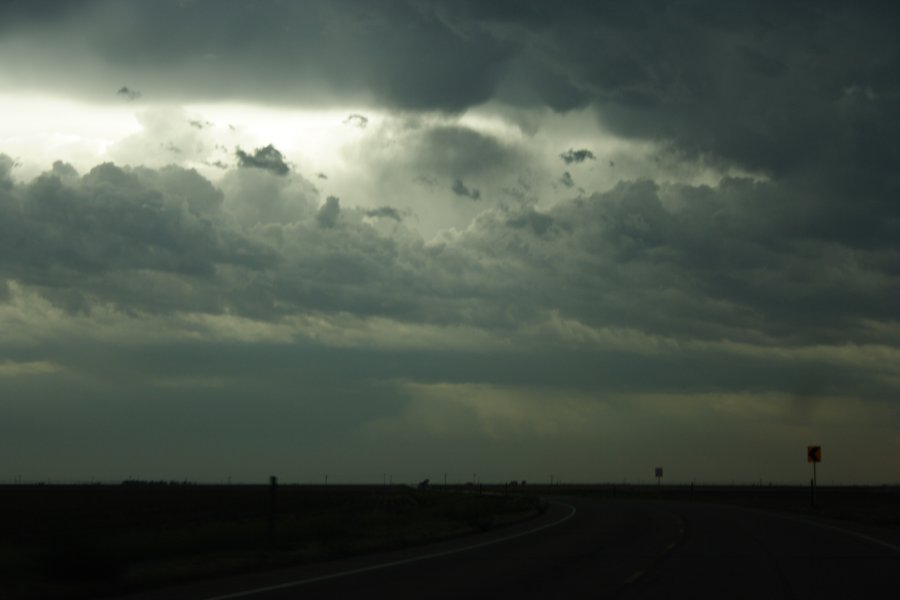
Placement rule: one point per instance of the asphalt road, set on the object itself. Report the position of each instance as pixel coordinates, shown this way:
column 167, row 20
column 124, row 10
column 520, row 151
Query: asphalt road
column 583, row 548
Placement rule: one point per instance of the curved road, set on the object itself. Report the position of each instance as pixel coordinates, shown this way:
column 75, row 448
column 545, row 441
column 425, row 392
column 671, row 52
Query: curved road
column 602, row 548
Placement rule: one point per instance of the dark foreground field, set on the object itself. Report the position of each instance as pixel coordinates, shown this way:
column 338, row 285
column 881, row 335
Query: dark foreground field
column 68, row 542
column 86, row 541
column 877, row 506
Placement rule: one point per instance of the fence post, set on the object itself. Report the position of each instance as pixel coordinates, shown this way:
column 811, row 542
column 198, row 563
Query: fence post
column 273, row 487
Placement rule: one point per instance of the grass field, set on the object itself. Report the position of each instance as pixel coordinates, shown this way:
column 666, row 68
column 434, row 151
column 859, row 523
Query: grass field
column 877, row 506
column 87, row 541
column 72, row 542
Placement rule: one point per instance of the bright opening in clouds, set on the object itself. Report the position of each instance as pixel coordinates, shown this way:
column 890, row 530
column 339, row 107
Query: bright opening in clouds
column 422, row 237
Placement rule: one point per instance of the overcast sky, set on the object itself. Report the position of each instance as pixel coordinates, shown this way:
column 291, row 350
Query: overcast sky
column 511, row 238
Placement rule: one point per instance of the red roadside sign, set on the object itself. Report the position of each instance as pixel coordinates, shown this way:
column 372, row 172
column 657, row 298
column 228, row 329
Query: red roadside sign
column 814, row 454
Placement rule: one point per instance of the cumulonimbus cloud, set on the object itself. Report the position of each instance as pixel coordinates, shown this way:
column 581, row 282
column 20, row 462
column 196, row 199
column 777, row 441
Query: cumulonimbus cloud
column 459, row 188
column 577, row 156
column 267, row 158
column 128, row 93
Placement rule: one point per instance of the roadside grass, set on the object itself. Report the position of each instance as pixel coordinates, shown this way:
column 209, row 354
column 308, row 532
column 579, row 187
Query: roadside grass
column 72, row 542
column 875, row 506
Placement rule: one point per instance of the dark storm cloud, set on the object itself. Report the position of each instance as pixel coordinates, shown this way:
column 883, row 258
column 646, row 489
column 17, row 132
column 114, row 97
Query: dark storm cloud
column 267, row 158
column 577, row 156
column 98, row 236
column 167, row 241
column 6, row 167
column 678, row 261
column 460, row 152
column 656, row 68
column 765, row 87
column 357, row 120
column 333, row 50
column 460, row 189
column 643, row 289
column 536, row 221
column 567, row 180
column 628, row 259
column 329, row 212
column 385, row 212
column 782, row 283
column 779, row 88
column 128, row 93
column 16, row 14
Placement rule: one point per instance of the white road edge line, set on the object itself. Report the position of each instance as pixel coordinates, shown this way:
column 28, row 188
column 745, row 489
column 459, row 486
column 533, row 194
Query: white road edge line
column 395, row 563
column 850, row 532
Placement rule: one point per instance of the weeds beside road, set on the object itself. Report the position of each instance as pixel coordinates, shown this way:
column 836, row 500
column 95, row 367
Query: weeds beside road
column 87, row 541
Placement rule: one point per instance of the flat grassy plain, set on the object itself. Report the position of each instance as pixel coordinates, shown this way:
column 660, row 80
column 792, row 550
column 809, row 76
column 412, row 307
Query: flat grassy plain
column 70, row 542
column 86, row 541
column 875, row 506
